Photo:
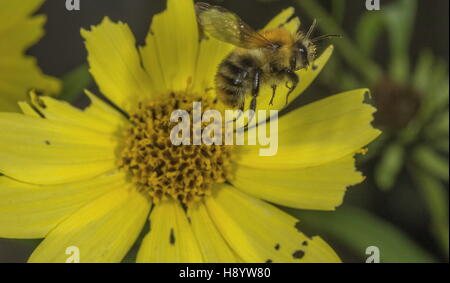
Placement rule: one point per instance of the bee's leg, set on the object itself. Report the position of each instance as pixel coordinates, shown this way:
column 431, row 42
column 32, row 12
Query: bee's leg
column 241, row 108
column 238, row 81
column 294, row 79
column 274, row 90
column 255, row 92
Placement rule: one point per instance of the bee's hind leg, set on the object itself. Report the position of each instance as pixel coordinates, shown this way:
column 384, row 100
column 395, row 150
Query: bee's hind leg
column 294, row 79
column 274, row 90
column 255, row 92
column 241, row 111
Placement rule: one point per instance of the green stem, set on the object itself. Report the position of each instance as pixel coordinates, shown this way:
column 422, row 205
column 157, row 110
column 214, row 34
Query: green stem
column 436, row 199
column 354, row 57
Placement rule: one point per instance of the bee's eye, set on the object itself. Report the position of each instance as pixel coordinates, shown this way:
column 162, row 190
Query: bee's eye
column 303, row 54
column 293, row 62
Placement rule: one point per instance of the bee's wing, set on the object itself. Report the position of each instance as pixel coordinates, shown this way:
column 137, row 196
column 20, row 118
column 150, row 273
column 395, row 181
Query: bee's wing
column 228, row 27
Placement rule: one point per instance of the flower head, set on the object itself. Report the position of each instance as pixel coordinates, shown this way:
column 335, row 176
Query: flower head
column 20, row 73
column 92, row 178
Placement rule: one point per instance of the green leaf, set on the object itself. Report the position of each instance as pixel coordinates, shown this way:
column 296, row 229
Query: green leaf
column 400, row 17
column 375, row 148
column 348, row 81
column 436, row 199
column 368, row 30
column 338, row 10
column 75, row 82
column 411, row 133
column 347, row 49
column 429, row 160
column 442, row 144
column 441, row 91
column 439, row 74
column 431, row 78
column 390, row 166
column 357, row 230
column 439, row 127
column 422, row 74
column 436, row 98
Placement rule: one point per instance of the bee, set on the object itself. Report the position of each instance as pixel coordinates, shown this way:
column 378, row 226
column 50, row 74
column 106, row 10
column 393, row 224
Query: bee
column 268, row 57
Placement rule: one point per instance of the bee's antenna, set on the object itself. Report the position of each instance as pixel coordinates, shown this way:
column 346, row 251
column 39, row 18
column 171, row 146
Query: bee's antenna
column 322, row 37
column 311, row 29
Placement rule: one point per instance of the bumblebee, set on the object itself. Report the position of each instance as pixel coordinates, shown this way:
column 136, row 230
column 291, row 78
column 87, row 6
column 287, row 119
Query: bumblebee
column 270, row 57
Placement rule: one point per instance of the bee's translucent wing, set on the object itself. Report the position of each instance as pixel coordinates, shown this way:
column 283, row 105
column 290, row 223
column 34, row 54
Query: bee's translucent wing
column 228, row 27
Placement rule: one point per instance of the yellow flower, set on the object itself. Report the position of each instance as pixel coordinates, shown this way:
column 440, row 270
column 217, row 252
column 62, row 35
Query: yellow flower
column 20, row 73
column 92, row 178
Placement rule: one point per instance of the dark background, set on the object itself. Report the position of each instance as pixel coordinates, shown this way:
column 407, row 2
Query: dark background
column 62, row 49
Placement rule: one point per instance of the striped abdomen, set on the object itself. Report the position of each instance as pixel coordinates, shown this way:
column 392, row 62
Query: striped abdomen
column 234, row 79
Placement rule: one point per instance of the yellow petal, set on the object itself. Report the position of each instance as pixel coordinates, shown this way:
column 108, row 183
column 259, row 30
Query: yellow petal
column 170, row 238
column 18, row 38
column 13, row 13
column 281, row 19
column 259, row 232
column 152, row 64
column 172, row 46
column 320, row 187
column 97, row 117
column 318, row 133
column 19, row 29
column 19, row 73
column 211, row 243
column 102, row 231
column 31, row 211
column 27, row 109
column 42, row 151
column 115, row 64
column 212, row 53
column 104, row 114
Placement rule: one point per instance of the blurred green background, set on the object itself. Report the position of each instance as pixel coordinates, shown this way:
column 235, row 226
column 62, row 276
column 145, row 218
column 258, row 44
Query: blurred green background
column 399, row 52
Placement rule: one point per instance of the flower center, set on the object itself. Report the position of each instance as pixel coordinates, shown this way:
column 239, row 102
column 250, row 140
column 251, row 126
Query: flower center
column 163, row 170
column 397, row 105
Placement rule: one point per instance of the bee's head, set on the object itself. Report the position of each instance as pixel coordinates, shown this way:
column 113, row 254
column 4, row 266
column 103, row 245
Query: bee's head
column 303, row 54
column 305, row 50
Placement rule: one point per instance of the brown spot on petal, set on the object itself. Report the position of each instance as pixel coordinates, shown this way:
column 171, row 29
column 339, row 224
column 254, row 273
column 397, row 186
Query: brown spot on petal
column 172, row 237
column 298, row 254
